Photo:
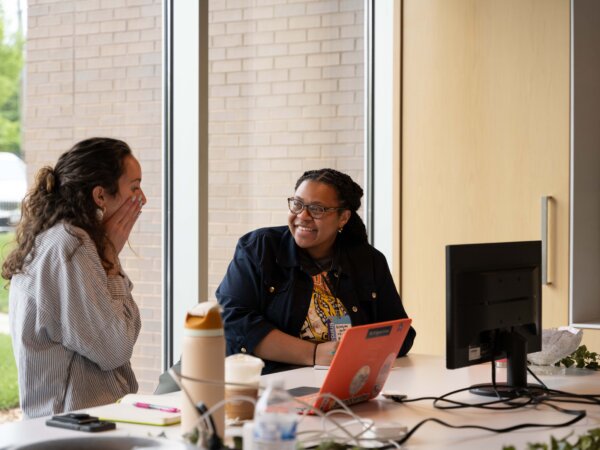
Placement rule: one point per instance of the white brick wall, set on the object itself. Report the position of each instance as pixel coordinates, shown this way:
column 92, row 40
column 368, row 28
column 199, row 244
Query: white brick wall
column 286, row 95
column 92, row 71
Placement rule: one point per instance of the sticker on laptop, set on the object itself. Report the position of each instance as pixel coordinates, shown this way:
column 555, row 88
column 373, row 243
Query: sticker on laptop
column 379, row 332
column 358, row 380
column 383, row 374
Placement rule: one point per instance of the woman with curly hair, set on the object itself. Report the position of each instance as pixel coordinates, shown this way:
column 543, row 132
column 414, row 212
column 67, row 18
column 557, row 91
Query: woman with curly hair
column 72, row 317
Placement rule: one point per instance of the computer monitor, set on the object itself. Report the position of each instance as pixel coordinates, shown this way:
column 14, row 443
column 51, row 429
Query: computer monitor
column 494, row 309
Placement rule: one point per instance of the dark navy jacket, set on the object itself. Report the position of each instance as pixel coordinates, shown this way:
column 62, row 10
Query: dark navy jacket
column 265, row 288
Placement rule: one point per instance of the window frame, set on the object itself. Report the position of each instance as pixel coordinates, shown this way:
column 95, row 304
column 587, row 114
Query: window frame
column 186, row 128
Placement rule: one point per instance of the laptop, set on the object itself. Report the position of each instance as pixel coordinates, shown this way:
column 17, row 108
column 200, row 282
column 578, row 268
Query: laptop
column 361, row 365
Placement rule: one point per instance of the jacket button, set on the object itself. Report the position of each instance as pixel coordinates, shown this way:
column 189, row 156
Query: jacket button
column 373, row 294
column 354, row 308
column 271, row 289
column 243, row 349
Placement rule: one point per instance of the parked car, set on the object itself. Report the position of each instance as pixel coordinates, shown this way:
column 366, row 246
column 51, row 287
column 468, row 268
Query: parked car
column 13, row 187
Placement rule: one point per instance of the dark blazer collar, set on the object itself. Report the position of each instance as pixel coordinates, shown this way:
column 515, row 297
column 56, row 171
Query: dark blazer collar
column 288, row 253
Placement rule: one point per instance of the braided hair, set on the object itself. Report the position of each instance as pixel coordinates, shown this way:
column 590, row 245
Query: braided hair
column 349, row 194
column 64, row 193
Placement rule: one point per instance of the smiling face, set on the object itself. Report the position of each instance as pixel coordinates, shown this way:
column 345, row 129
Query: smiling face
column 317, row 236
column 129, row 185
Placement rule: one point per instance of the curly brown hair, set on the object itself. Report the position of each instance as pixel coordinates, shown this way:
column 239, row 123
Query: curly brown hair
column 64, row 193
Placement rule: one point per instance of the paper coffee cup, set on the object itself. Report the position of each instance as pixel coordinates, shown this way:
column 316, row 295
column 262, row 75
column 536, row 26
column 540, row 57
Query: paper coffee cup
column 244, row 370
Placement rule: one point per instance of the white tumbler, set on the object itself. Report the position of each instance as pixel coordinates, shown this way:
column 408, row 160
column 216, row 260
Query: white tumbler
column 203, row 364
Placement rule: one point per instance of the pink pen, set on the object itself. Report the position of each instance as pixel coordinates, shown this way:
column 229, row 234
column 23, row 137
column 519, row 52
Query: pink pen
column 159, row 407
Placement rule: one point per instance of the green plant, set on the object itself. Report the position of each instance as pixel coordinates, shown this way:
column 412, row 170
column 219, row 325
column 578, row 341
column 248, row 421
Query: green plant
column 6, row 244
column 3, row 297
column 11, row 55
column 581, row 358
column 588, row 441
column 9, row 390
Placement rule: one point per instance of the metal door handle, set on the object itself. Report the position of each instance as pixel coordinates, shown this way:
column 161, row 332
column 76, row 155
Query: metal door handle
column 545, row 203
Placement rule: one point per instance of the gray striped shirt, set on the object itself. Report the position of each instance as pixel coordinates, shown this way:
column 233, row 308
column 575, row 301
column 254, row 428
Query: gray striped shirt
column 73, row 327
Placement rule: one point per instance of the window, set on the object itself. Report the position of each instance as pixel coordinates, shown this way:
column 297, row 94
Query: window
column 284, row 93
column 94, row 68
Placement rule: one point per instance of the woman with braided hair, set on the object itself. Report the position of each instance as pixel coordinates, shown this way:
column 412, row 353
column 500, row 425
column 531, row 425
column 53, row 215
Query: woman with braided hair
column 72, row 317
column 291, row 291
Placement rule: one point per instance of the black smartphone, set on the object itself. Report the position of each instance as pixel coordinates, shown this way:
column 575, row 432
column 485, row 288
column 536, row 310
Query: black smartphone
column 80, row 422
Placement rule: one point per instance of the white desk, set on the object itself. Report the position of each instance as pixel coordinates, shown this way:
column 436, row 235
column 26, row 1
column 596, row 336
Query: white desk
column 415, row 375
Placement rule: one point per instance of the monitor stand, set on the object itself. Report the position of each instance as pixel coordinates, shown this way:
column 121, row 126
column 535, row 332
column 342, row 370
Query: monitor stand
column 516, row 374
column 505, row 390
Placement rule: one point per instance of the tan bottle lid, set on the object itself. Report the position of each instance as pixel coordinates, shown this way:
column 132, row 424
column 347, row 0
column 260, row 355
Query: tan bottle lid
column 204, row 320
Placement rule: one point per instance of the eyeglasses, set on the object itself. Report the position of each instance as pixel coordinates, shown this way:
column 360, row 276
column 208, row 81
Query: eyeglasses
column 316, row 211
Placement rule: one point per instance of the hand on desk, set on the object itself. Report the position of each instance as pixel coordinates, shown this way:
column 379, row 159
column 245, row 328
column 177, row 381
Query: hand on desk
column 279, row 346
column 326, row 352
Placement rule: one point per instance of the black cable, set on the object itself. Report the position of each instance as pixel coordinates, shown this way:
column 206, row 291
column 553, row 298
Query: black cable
column 526, row 397
column 513, row 403
column 532, row 397
column 494, row 386
column 214, row 440
column 578, row 416
column 569, row 394
column 537, row 379
column 510, row 403
column 570, row 397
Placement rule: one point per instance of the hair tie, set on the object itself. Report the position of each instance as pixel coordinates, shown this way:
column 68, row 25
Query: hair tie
column 50, row 181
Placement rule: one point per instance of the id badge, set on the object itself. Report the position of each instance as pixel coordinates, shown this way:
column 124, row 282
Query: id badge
column 337, row 326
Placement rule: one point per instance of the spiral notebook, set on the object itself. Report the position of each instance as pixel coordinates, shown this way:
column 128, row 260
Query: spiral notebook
column 125, row 410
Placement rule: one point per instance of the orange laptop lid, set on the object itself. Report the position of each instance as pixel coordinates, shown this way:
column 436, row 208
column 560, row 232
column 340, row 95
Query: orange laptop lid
column 362, row 363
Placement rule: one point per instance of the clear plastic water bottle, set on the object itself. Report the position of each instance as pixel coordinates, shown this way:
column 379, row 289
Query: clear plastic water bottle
column 275, row 419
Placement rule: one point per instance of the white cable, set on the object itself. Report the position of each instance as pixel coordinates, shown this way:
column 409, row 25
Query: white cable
column 220, row 404
column 206, row 424
column 366, row 426
column 326, row 417
column 203, row 424
column 394, row 443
